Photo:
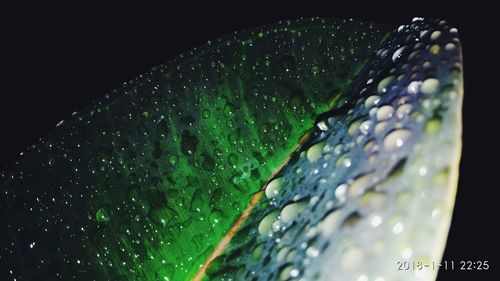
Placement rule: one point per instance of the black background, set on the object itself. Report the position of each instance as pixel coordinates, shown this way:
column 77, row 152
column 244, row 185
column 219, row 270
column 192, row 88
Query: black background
column 56, row 60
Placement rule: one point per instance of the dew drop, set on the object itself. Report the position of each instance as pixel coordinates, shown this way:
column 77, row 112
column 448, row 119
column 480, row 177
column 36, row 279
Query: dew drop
column 273, row 187
column 375, row 221
column 285, row 273
column 314, row 152
column 423, row 33
column 385, row 112
column 265, row 225
column 380, row 127
column 372, row 101
column 282, row 254
column 277, row 225
column 343, row 160
column 435, row 35
column 430, row 86
column 340, row 192
column 396, row 139
column 312, row 252
column 414, row 87
column 397, row 53
column 449, row 47
column 290, row 211
column 398, row 228
column 434, row 49
column 353, row 128
column 102, row 215
column 257, row 251
column 369, row 146
column 403, row 110
column 322, row 126
column 373, row 199
column 382, row 85
column 360, row 184
column 365, row 127
column 330, row 223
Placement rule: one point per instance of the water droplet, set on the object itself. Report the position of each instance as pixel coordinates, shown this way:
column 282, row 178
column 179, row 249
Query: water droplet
column 313, row 200
column 365, row 127
column 265, row 225
column 385, row 112
column 414, row 87
column 370, row 146
column 372, row 101
column 382, row 85
column 360, row 184
column 290, row 211
column 228, row 111
column 277, row 225
column 291, row 255
column 344, row 160
column 430, row 86
column 273, row 187
column 172, row 159
column 396, row 139
column 338, row 149
column 436, row 213
column 380, row 127
column 373, row 199
column 449, row 47
column 398, row 228
column 403, row 110
column 294, row 273
column 340, row 192
column 282, row 254
column 257, row 251
column 330, row 223
column 322, row 125
column 215, row 217
column 315, row 70
column 434, row 49
column 353, row 128
column 285, row 273
column 312, row 252
column 432, row 126
column 102, row 215
column 314, row 152
column 375, row 221
column 397, row 54
column 435, row 35
column 232, row 159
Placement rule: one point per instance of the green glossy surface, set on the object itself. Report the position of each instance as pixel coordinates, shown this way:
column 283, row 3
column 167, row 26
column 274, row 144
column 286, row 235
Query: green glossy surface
column 144, row 183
